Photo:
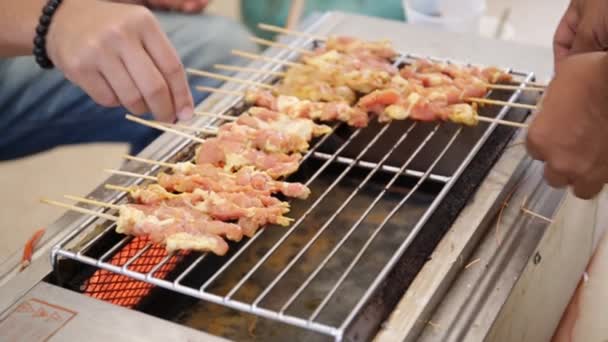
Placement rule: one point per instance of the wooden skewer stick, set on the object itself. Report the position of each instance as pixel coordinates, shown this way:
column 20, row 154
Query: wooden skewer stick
column 251, row 70
column 218, row 116
column 79, row 209
column 530, row 212
column 148, row 161
column 278, row 29
column 163, row 128
column 117, row 188
column 228, row 78
column 472, row 263
column 130, row 174
column 279, row 45
column 264, row 58
column 533, row 84
column 500, row 103
column 514, row 87
column 192, row 128
column 220, row 91
column 502, row 122
column 294, row 14
column 93, row 202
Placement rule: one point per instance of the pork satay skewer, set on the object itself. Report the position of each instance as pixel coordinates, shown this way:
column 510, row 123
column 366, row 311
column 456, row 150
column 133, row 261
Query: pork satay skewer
column 229, row 230
column 474, row 100
column 277, row 29
column 527, row 87
column 282, row 74
column 252, row 210
column 246, row 179
column 252, row 94
column 173, row 242
column 323, row 111
column 276, row 133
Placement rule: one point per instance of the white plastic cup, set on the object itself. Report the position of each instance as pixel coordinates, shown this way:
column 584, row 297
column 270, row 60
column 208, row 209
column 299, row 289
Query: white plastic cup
column 462, row 16
column 426, row 7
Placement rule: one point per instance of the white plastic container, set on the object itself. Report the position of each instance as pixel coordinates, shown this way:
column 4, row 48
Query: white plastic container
column 452, row 15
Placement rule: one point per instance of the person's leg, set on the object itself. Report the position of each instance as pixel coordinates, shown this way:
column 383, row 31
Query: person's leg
column 41, row 109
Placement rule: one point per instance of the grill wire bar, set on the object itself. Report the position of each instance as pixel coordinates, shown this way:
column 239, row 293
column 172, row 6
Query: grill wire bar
column 310, row 321
column 310, row 209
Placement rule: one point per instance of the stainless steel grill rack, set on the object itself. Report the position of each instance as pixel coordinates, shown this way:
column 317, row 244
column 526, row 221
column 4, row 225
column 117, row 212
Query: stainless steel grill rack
column 373, row 191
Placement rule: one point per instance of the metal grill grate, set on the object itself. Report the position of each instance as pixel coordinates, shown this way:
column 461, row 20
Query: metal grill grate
column 373, row 190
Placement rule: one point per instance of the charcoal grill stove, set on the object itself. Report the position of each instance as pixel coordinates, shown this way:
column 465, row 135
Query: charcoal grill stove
column 380, row 250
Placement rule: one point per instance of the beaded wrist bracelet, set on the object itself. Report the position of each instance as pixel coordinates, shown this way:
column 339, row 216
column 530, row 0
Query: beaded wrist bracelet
column 41, row 30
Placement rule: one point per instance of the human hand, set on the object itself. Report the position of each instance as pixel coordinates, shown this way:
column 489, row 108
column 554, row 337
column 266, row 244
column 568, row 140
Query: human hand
column 187, row 6
column 119, row 55
column 583, row 28
column 570, row 130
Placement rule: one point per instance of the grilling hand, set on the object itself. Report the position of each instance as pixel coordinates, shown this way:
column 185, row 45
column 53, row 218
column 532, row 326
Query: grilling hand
column 118, row 54
column 569, row 133
column 583, row 28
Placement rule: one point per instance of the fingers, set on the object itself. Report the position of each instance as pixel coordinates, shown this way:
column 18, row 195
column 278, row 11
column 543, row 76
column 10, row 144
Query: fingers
column 168, row 63
column 565, row 33
column 554, row 178
column 587, row 189
column 150, row 82
column 96, row 86
column 123, row 85
column 193, row 6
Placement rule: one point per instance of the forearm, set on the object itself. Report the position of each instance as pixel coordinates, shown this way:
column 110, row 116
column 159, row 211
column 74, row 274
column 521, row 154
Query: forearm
column 18, row 21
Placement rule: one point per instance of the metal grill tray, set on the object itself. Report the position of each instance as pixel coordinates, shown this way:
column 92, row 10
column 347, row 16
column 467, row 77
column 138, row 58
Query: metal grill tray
column 374, row 190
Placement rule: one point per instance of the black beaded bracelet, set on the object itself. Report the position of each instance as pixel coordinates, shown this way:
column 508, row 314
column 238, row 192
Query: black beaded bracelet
column 41, row 30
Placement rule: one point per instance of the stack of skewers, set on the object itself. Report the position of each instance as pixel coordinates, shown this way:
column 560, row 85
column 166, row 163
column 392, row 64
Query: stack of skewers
column 230, row 188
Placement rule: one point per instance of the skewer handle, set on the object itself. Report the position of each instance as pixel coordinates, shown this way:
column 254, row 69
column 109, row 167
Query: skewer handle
column 79, row 209
column 514, row 87
column 218, row 116
column 277, row 29
column 163, row 128
column 502, row 122
column 267, row 42
column 191, row 128
column 251, row 70
column 147, row 161
column 228, row 78
column 501, row 103
column 254, row 56
column 130, row 174
column 220, row 91
column 117, row 188
column 91, row 201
